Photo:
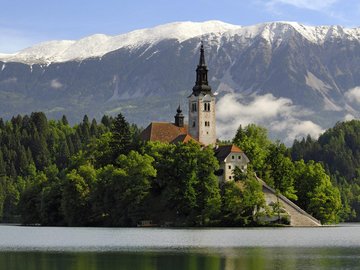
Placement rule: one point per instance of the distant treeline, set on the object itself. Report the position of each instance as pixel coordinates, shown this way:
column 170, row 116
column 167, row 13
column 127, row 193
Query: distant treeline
column 101, row 174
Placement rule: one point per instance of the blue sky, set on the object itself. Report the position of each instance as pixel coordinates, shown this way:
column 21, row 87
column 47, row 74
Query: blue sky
column 24, row 23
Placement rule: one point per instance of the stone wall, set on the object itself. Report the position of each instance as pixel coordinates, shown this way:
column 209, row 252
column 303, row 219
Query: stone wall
column 298, row 217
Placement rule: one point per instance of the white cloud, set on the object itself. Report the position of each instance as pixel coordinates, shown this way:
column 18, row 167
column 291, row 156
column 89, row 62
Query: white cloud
column 349, row 117
column 279, row 115
column 353, row 95
column 305, row 4
column 56, row 84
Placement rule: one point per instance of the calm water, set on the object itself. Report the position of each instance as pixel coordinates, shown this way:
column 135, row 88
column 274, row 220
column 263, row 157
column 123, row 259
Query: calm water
column 38, row 248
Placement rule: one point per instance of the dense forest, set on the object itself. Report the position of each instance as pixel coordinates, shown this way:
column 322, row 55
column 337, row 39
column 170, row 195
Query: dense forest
column 101, row 174
column 338, row 149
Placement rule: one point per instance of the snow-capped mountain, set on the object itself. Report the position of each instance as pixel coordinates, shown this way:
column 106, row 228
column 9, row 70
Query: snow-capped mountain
column 99, row 44
column 307, row 76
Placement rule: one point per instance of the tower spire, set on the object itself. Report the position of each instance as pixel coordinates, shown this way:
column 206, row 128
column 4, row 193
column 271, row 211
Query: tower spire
column 202, row 55
column 201, row 84
column 179, row 117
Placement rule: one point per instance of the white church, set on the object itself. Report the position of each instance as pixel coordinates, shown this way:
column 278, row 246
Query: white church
column 201, row 126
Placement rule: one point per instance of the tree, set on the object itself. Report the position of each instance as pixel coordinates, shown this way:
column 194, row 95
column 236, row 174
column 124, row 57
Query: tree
column 325, row 202
column 40, row 122
column 50, row 205
column 208, row 191
column 64, row 120
column 30, row 200
column 242, row 199
column 76, row 195
column 120, row 190
column 280, row 173
column 121, row 136
column 99, row 151
column 94, row 128
column 2, row 165
column 63, row 155
column 315, row 188
column 106, row 121
column 253, row 140
column 180, row 191
column 40, row 151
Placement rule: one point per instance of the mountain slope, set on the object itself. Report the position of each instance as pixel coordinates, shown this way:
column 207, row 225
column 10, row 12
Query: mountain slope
column 293, row 78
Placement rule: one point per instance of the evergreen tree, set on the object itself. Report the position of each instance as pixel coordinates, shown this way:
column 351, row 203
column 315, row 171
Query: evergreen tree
column 121, row 136
column 106, row 121
column 2, row 165
column 94, row 128
column 40, row 122
column 63, row 155
column 64, row 120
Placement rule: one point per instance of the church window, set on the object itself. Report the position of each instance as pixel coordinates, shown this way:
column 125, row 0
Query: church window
column 230, row 177
column 229, row 166
column 232, row 157
column 239, row 157
column 207, row 124
column 193, row 124
column 206, row 106
column 193, row 107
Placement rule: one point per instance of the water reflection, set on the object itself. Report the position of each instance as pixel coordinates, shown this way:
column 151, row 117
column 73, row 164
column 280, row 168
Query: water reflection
column 222, row 259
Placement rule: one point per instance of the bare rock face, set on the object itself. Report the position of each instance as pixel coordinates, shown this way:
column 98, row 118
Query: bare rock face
column 145, row 76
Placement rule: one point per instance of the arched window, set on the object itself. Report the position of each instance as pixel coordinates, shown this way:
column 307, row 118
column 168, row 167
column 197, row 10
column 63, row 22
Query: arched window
column 206, row 106
column 193, row 107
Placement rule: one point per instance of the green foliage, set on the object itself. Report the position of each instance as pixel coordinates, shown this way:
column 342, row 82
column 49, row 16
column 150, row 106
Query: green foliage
column 307, row 184
column 121, row 189
column 185, row 182
column 241, row 199
column 316, row 194
column 253, row 140
column 120, row 136
column 102, row 174
column 338, row 149
column 280, row 170
column 76, row 195
column 32, row 143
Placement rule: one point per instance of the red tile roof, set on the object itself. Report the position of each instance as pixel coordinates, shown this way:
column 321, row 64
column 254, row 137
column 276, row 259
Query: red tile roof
column 165, row 132
column 222, row 151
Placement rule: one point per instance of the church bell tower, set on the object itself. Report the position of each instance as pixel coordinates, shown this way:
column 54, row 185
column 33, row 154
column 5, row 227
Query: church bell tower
column 202, row 123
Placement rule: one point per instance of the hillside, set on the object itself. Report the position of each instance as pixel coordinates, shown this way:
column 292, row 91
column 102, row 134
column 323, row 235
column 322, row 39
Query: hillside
column 294, row 79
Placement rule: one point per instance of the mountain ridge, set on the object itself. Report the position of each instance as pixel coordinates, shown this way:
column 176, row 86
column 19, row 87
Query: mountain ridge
column 301, row 78
column 67, row 50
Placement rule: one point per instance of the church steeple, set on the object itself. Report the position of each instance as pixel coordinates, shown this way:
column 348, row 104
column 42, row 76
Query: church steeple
column 202, row 120
column 179, row 117
column 201, row 84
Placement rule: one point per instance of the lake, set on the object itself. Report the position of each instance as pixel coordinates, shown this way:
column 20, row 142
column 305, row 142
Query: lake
column 40, row 248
